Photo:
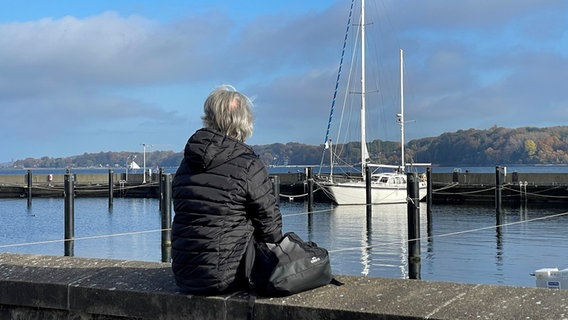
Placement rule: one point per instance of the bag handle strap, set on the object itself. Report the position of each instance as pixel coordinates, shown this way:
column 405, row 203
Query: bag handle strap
column 249, row 263
column 336, row 282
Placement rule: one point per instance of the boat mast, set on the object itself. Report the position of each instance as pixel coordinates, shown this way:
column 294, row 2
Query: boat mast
column 364, row 151
column 401, row 114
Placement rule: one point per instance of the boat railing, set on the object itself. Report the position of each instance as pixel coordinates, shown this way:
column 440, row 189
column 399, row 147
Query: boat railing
column 340, row 178
column 388, row 166
column 419, row 164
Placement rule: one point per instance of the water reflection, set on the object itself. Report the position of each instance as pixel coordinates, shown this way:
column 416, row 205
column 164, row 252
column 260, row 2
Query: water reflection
column 383, row 242
column 366, row 241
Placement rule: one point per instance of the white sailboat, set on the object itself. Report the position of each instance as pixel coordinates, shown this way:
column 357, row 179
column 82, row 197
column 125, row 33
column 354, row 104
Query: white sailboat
column 386, row 187
column 133, row 165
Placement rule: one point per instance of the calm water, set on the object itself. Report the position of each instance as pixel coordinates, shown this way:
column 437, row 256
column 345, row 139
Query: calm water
column 462, row 245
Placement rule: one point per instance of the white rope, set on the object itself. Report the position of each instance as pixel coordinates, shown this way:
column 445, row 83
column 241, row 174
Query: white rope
column 293, row 196
column 297, row 214
column 303, row 213
column 466, row 192
column 117, row 234
column 537, row 194
column 450, row 234
column 446, row 187
column 81, row 238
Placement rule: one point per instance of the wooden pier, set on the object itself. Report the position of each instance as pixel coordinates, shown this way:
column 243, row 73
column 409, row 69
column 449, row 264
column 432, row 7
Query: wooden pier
column 464, row 187
column 457, row 187
column 86, row 185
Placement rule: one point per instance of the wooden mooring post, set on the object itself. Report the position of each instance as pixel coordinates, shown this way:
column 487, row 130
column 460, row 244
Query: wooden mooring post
column 110, row 188
column 368, row 191
column 166, row 215
column 499, row 172
column 161, row 174
column 413, row 218
column 275, row 179
column 429, row 197
column 29, row 176
column 429, row 192
column 69, row 185
column 310, row 178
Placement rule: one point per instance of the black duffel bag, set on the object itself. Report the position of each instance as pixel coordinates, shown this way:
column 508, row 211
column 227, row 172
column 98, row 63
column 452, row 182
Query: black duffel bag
column 289, row 267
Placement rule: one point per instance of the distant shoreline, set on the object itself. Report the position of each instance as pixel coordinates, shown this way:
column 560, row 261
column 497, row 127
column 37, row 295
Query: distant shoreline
column 534, row 168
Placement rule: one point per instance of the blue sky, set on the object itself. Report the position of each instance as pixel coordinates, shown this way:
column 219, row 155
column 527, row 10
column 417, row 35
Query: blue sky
column 89, row 76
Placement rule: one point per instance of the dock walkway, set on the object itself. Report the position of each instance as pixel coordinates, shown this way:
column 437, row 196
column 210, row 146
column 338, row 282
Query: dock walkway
column 457, row 187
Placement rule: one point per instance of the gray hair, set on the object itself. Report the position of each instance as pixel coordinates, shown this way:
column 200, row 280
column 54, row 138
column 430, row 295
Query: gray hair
column 229, row 111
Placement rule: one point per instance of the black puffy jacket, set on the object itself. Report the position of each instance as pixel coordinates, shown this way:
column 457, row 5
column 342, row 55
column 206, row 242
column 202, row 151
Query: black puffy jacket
column 222, row 197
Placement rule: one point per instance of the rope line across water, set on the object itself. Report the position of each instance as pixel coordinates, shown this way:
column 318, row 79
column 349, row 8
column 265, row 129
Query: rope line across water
column 290, row 215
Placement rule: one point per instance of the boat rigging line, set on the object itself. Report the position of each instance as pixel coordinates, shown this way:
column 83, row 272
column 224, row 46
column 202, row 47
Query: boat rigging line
column 337, row 81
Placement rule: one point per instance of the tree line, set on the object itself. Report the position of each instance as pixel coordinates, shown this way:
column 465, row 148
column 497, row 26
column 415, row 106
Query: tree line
column 472, row 147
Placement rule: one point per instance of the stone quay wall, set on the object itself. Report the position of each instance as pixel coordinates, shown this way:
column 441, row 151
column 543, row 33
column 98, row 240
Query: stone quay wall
column 50, row 287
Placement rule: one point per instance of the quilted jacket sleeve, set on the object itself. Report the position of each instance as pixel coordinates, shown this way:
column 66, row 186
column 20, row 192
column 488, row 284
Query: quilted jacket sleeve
column 263, row 209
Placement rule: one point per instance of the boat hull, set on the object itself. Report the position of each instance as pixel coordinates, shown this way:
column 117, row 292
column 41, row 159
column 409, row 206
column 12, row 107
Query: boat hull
column 345, row 193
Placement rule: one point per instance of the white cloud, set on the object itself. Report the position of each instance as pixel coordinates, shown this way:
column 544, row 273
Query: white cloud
column 468, row 64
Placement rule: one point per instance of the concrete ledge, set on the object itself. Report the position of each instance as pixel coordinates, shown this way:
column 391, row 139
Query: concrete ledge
column 39, row 287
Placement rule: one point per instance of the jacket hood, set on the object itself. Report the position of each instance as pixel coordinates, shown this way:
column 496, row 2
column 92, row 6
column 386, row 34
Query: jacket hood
column 208, row 149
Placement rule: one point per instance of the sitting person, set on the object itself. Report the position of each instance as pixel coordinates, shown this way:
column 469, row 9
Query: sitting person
column 223, row 199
